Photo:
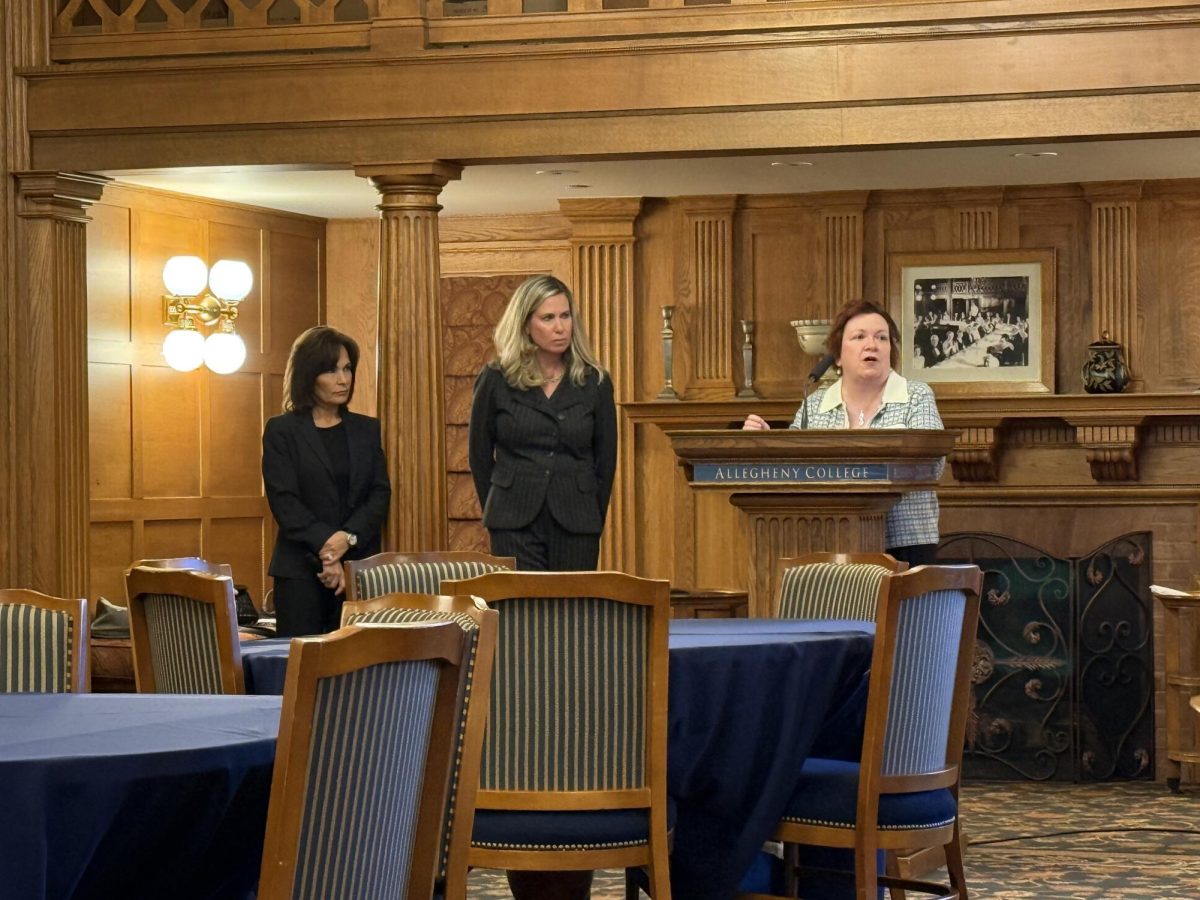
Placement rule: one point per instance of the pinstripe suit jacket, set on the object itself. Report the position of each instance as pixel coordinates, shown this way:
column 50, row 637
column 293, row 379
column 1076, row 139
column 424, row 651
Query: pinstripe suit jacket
column 303, row 494
column 528, row 450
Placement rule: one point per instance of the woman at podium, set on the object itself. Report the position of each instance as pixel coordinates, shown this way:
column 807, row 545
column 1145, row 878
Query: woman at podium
column 864, row 345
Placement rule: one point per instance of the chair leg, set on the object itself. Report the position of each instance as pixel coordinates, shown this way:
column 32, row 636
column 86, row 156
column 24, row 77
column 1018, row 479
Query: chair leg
column 866, row 873
column 892, row 867
column 954, row 865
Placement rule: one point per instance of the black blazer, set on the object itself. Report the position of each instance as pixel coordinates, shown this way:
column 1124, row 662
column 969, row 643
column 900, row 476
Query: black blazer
column 528, row 450
column 303, row 494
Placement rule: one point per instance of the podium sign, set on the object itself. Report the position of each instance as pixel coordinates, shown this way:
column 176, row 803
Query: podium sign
column 804, row 491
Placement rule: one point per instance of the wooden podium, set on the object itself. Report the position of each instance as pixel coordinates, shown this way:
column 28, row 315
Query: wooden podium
column 804, row 491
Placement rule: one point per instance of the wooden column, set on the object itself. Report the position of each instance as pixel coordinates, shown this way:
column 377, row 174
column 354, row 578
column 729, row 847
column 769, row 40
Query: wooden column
column 1114, row 268
column 410, row 397
column 709, row 269
column 602, row 246
column 843, row 244
column 48, row 447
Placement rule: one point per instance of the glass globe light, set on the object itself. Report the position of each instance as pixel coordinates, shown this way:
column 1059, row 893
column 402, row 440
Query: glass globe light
column 185, row 276
column 230, row 279
column 184, row 349
column 224, row 352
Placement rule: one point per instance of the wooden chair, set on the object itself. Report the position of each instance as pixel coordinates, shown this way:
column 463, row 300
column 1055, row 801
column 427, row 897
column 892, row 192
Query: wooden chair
column 903, row 793
column 417, row 573
column 831, row 585
column 43, row 643
column 480, row 623
column 183, row 626
column 368, row 739
column 192, row 563
column 589, row 750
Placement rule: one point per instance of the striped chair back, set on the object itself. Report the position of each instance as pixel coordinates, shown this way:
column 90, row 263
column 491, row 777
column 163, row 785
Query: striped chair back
column 370, row 725
column 183, row 626
column 417, row 573
column 920, row 678
column 569, row 696
column 927, row 638
column 479, row 624
column 832, row 586
column 43, row 643
column 183, row 644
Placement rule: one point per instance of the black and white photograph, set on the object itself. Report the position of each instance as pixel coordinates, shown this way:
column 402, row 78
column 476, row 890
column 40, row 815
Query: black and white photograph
column 976, row 320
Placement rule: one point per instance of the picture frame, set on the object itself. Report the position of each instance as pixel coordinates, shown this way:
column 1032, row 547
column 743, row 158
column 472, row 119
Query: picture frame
column 975, row 321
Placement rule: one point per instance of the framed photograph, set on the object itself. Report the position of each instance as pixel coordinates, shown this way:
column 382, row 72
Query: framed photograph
column 975, row 321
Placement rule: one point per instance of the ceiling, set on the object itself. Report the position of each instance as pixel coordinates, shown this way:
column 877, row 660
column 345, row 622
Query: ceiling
column 534, row 187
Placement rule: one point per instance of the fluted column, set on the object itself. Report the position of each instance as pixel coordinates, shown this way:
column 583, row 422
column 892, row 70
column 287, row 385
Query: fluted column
column 411, row 399
column 1114, row 267
column 47, row 372
column 710, row 272
column 843, row 240
column 602, row 248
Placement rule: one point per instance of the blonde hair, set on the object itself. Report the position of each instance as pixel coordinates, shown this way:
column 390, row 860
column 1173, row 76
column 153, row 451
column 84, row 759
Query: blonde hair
column 516, row 353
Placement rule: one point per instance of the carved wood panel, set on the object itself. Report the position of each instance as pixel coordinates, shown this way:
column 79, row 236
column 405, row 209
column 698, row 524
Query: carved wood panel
column 471, row 308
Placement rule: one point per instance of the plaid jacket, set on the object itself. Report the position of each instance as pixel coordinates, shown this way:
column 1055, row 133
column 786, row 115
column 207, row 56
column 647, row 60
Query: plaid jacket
column 906, row 404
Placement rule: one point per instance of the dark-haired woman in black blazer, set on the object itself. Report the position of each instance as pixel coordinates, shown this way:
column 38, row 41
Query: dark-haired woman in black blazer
column 326, row 482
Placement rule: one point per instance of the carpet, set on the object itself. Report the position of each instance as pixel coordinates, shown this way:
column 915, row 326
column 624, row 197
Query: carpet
column 1120, row 841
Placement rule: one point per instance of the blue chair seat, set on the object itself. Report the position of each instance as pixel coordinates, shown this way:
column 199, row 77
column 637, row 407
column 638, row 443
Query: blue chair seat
column 531, row 830
column 827, row 795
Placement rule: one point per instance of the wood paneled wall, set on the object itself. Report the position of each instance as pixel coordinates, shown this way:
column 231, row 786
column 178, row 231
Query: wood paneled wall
column 175, row 457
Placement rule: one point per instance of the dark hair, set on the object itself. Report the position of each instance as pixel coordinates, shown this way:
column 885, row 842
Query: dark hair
column 833, row 343
column 315, row 352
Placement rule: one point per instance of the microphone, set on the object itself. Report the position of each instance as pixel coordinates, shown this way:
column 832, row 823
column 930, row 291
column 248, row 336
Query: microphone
column 814, row 376
column 821, row 368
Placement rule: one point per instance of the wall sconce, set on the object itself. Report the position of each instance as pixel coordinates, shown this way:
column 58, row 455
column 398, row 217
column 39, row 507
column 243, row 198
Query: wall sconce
column 186, row 277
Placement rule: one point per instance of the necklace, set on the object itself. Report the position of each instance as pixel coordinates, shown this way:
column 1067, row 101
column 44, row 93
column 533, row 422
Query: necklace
column 554, row 379
column 872, row 405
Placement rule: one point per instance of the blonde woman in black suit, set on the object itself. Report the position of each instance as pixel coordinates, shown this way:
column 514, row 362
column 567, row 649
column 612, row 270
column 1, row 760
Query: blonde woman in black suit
column 326, row 482
column 543, row 434
column 543, row 452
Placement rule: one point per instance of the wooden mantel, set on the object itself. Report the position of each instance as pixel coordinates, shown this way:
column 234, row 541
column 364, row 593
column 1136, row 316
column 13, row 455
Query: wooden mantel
column 1111, row 428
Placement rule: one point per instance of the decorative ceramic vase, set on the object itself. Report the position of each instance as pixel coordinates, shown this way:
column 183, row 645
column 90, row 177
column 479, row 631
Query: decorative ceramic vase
column 1104, row 371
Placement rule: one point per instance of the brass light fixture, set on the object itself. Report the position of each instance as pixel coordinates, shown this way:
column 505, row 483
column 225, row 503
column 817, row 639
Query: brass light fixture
column 196, row 294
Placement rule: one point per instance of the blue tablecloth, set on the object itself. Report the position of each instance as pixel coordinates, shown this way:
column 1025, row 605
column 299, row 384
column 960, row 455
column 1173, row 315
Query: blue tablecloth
column 749, row 698
column 133, row 796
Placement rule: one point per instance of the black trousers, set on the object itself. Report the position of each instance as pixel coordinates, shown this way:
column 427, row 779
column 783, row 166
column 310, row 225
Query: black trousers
column 916, row 554
column 545, row 546
column 305, row 606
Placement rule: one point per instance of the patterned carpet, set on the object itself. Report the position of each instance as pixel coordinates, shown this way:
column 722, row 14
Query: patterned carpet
column 1121, row 841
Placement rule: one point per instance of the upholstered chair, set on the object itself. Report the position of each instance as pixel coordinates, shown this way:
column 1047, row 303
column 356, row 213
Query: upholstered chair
column 480, row 623
column 43, row 643
column 831, row 585
column 903, row 792
column 370, row 734
column 183, row 626
column 574, row 773
column 417, row 573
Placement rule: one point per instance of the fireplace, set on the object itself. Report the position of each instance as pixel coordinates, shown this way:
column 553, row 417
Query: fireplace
column 1063, row 680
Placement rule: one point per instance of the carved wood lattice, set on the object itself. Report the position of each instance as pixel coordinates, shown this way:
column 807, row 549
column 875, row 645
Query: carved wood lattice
column 129, row 16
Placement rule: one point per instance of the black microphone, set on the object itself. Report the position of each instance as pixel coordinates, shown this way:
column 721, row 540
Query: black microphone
column 821, row 368
column 814, row 376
